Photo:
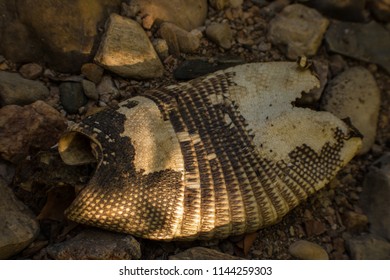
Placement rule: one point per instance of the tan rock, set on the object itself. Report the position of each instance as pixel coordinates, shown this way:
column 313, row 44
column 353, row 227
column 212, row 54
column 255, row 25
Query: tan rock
column 306, row 250
column 187, row 14
column 298, row 30
column 127, row 51
column 222, row 4
column 178, row 39
column 63, row 32
column 92, row 72
column 221, row 34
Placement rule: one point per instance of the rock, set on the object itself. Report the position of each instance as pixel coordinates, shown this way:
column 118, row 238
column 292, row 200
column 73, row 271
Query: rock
column 298, row 30
column 30, row 128
column 354, row 221
column 348, row 95
column 306, row 250
column 221, row 34
column 72, row 96
column 107, row 87
column 314, row 227
column 201, row 253
column 18, row 227
column 375, row 197
column 368, row 248
column 92, row 72
column 89, row 89
column 127, row 51
column 222, row 4
column 97, row 245
column 15, row 90
column 380, row 9
column 65, row 45
column 178, row 39
column 347, row 10
column 31, row 71
column 368, row 42
column 161, row 47
column 186, row 14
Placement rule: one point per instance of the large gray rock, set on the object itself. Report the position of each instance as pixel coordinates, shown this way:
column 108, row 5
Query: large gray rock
column 127, row 51
column 30, row 128
column 61, row 33
column 376, row 197
column 368, row 247
column 97, row 245
column 18, row 227
column 15, row 90
column 187, row 14
column 351, row 93
column 348, row 10
column 368, row 42
column 298, row 30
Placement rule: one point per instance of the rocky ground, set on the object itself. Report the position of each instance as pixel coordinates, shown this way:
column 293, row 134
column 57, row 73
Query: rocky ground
column 48, row 83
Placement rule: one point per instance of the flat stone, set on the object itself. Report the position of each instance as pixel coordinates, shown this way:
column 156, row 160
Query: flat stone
column 92, row 72
column 72, row 96
column 306, row 250
column 31, row 71
column 179, row 39
column 18, row 227
column 187, row 14
column 376, row 195
column 368, row 247
column 201, row 253
column 30, row 128
column 221, row 34
column 127, row 51
column 15, row 90
column 96, row 244
column 348, row 95
column 368, row 42
column 298, row 30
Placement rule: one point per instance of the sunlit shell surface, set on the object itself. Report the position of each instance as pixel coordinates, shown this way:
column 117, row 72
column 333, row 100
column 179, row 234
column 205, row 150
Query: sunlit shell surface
column 221, row 155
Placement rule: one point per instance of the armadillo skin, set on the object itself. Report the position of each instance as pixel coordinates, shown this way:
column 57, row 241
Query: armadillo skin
column 220, row 155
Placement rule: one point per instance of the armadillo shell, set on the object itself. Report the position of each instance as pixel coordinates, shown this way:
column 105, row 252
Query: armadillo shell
column 221, row 155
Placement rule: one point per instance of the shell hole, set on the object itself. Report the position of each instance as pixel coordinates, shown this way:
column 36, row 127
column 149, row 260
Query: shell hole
column 77, row 149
